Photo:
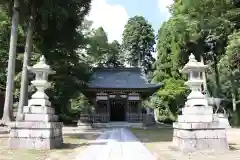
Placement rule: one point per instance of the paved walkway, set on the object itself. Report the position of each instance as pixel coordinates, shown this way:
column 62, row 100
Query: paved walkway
column 116, row 144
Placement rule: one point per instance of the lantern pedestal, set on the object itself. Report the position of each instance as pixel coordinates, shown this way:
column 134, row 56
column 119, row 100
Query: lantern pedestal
column 38, row 128
column 199, row 129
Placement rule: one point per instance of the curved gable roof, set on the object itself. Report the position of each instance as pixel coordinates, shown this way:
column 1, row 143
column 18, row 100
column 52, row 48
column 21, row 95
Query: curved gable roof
column 127, row 78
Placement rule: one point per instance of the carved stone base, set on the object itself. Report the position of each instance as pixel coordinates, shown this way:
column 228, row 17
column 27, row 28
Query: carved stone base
column 35, row 135
column 189, row 137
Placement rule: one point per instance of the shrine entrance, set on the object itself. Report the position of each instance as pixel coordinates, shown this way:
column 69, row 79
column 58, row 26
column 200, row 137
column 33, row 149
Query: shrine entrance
column 117, row 110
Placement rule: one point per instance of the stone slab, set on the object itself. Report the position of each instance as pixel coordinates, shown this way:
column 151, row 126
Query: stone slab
column 35, row 143
column 38, row 110
column 40, row 117
column 191, row 145
column 200, row 134
column 196, row 102
column 196, row 110
column 84, row 125
column 36, row 133
column 195, row 118
column 35, row 125
column 39, row 102
column 116, row 144
column 185, row 125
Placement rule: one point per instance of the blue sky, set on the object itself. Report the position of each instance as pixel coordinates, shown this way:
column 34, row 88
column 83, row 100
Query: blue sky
column 112, row 15
column 146, row 8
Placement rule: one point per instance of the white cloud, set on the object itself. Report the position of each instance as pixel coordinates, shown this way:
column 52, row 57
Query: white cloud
column 111, row 17
column 163, row 7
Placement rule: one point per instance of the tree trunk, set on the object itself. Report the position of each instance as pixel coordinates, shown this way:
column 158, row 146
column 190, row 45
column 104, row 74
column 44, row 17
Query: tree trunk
column 204, row 76
column 8, row 104
column 23, row 100
column 234, row 103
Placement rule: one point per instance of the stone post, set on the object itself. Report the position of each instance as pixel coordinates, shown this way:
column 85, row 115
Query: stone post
column 39, row 128
column 198, row 128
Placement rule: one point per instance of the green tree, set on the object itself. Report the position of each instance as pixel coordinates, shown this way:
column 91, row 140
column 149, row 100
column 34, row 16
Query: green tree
column 114, row 55
column 211, row 28
column 98, row 47
column 58, row 38
column 138, row 42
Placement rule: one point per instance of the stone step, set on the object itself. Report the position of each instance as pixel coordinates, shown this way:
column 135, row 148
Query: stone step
column 195, row 118
column 38, row 110
column 206, row 133
column 35, row 125
column 197, row 110
column 36, row 133
column 41, row 117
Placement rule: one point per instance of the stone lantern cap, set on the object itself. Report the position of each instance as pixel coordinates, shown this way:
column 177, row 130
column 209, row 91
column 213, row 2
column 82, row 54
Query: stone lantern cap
column 193, row 65
column 42, row 66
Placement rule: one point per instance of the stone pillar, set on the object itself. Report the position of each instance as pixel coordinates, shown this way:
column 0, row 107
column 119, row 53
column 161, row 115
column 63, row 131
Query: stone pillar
column 39, row 128
column 198, row 128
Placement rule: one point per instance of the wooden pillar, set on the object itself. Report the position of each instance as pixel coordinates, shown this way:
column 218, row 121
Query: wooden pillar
column 139, row 109
column 108, row 108
column 127, row 109
column 95, row 108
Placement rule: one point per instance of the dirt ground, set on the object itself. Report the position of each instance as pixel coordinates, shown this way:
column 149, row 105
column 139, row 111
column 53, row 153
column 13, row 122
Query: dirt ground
column 159, row 142
column 74, row 143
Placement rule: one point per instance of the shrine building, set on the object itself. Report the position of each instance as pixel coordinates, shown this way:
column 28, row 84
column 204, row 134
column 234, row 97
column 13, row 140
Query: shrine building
column 117, row 94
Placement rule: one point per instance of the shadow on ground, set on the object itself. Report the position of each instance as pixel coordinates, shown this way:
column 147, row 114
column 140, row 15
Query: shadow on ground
column 233, row 146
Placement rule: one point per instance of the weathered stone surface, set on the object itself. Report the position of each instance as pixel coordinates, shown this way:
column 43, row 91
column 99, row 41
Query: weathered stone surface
column 39, row 102
column 36, row 125
column 213, row 125
column 35, row 133
column 40, row 117
column 35, row 143
column 84, row 125
column 196, row 101
column 193, row 134
column 196, row 110
column 191, row 145
column 38, row 110
column 195, row 118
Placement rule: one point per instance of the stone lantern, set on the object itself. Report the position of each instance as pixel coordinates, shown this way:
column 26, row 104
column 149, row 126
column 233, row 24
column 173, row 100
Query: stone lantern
column 39, row 128
column 198, row 128
column 194, row 70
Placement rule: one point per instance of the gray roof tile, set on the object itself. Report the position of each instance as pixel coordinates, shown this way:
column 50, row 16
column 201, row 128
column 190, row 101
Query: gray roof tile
column 129, row 78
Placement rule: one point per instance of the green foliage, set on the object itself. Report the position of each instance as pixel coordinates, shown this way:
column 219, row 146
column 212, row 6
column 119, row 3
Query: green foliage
column 100, row 52
column 203, row 28
column 138, row 42
column 56, row 36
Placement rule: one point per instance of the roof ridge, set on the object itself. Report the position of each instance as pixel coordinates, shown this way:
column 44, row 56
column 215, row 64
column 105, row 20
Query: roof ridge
column 118, row 68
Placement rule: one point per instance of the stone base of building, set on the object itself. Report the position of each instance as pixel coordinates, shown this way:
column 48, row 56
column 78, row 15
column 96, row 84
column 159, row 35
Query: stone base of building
column 35, row 135
column 84, row 125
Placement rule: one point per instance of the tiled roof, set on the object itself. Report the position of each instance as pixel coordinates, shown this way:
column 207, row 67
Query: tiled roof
column 127, row 78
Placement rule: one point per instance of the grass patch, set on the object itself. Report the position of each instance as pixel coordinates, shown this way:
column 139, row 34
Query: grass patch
column 153, row 134
column 73, row 144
